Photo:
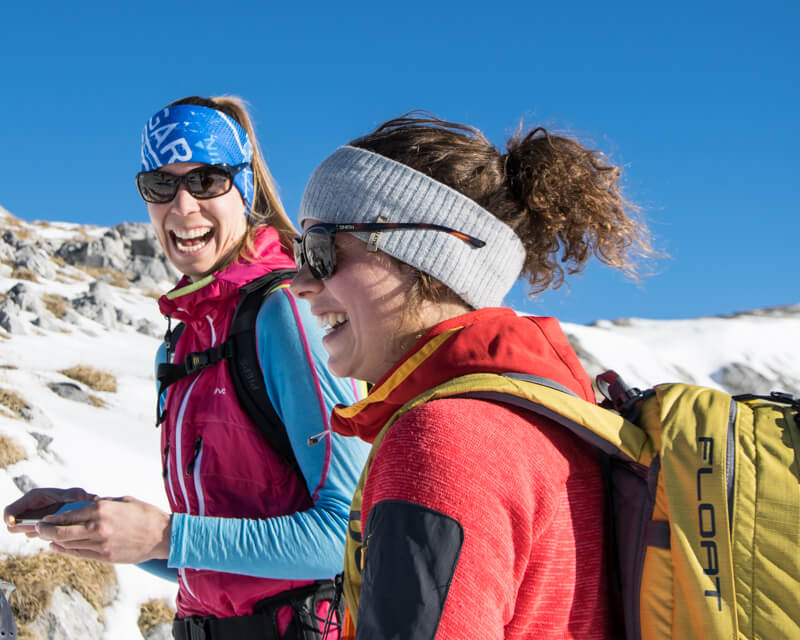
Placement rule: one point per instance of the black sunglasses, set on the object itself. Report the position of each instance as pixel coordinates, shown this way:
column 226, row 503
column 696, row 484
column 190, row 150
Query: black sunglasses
column 317, row 247
column 208, row 181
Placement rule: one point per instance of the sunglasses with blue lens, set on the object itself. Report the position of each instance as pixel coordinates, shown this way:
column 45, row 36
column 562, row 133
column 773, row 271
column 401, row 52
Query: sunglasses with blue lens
column 317, row 248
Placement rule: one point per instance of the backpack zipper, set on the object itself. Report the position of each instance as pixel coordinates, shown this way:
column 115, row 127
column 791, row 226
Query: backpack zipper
column 730, row 460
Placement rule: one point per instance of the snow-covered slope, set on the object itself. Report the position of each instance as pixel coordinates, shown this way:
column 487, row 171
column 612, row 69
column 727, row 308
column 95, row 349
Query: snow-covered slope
column 106, row 279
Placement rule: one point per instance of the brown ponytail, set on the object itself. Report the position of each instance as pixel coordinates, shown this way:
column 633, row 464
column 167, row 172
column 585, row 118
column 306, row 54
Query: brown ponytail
column 562, row 200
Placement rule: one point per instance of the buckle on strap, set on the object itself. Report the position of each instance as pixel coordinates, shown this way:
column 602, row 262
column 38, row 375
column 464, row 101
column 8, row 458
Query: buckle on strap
column 196, row 361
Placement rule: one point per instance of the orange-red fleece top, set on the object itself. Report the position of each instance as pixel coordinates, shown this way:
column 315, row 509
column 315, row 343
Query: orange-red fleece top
column 508, row 533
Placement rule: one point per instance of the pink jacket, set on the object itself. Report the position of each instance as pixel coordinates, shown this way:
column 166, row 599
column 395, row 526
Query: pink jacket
column 216, row 461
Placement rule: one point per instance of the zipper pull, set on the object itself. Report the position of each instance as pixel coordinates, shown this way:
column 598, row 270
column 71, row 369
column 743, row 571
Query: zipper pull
column 166, row 462
column 313, row 440
column 198, row 444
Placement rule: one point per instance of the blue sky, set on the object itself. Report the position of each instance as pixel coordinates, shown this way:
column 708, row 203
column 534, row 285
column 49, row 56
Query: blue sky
column 698, row 102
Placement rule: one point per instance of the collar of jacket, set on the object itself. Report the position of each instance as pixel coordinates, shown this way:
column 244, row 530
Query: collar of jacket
column 490, row 340
column 192, row 300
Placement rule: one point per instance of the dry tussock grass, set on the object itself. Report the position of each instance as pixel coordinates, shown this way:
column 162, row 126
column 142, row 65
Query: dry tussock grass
column 152, row 293
column 23, row 273
column 55, row 304
column 8, row 366
column 153, row 613
column 96, row 401
column 36, row 577
column 10, row 452
column 92, row 378
column 114, row 277
column 20, row 229
column 12, row 401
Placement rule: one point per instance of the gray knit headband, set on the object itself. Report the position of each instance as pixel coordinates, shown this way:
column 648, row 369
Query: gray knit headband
column 355, row 185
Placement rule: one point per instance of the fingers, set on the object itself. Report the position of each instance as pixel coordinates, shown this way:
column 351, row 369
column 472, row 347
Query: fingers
column 86, row 554
column 75, row 516
column 38, row 499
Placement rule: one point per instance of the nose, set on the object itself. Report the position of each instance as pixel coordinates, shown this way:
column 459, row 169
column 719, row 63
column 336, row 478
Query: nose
column 304, row 285
column 184, row 202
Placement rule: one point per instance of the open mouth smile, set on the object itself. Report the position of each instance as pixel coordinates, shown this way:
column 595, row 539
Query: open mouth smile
column 191, row 240
column 331, row 321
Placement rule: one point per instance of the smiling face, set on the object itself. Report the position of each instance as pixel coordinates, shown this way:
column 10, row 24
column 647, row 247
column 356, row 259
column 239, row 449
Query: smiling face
column 364, row 307
column 198, row 236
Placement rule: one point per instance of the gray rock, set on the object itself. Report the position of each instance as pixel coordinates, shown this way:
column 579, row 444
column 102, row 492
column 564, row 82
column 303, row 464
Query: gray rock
column 161, row 631
column 7, row 252
column 97, row 304
column 152, row 268
column 24, row 483
column 145, row 247
column 43, row 441
column 104, row 252
column 69, row 390
column 36, row 260
column 123, row 317
column 10, row 238
column 11, row 318
column 36, row 417
column 738, row 377
column 68, row 617
column 25, row 298
column 149, row 328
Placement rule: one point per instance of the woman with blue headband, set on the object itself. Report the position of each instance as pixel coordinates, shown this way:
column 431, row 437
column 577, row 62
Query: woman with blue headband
column 255, row 538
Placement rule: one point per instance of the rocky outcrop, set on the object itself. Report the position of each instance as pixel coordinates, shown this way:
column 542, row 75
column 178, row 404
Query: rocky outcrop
column 130, row 248
column 738, row 377
column 69, row 616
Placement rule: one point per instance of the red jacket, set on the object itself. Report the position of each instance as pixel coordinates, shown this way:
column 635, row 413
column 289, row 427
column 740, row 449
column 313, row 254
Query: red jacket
column 488, row 521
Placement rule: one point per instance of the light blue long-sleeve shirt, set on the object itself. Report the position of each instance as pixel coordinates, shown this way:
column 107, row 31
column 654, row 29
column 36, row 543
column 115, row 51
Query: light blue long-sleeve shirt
column 302, row 545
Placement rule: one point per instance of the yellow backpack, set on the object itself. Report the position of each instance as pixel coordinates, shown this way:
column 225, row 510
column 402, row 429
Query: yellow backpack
column 705, row 494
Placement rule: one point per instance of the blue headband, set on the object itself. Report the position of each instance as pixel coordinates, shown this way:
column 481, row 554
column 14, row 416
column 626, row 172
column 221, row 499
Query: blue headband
column 190, row 133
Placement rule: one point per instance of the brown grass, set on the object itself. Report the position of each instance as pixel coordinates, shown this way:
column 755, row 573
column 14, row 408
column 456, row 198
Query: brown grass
column 95, row 401
column 153, row 613
column 152, row 293
column 92, row 378
column 12, row 401
column 7, row 262
column 10, row 452
column 116, row 278
column 55, row 304
column 23, row 273
column 36, row 577
column 57, row 259
column 82, row 235
column 8, row 366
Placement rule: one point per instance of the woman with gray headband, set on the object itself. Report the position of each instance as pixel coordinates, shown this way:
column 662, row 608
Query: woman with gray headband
column 473, row 519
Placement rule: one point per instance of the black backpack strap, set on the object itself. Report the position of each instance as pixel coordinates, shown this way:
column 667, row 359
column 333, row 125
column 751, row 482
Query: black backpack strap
column 245, row 368
column 169, row 373
column 241, row 351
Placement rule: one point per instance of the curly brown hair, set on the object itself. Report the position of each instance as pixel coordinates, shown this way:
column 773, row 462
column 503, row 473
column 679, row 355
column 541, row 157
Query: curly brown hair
column 563, row 200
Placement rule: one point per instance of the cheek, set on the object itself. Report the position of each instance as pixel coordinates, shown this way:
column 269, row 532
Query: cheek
column 157, row 213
